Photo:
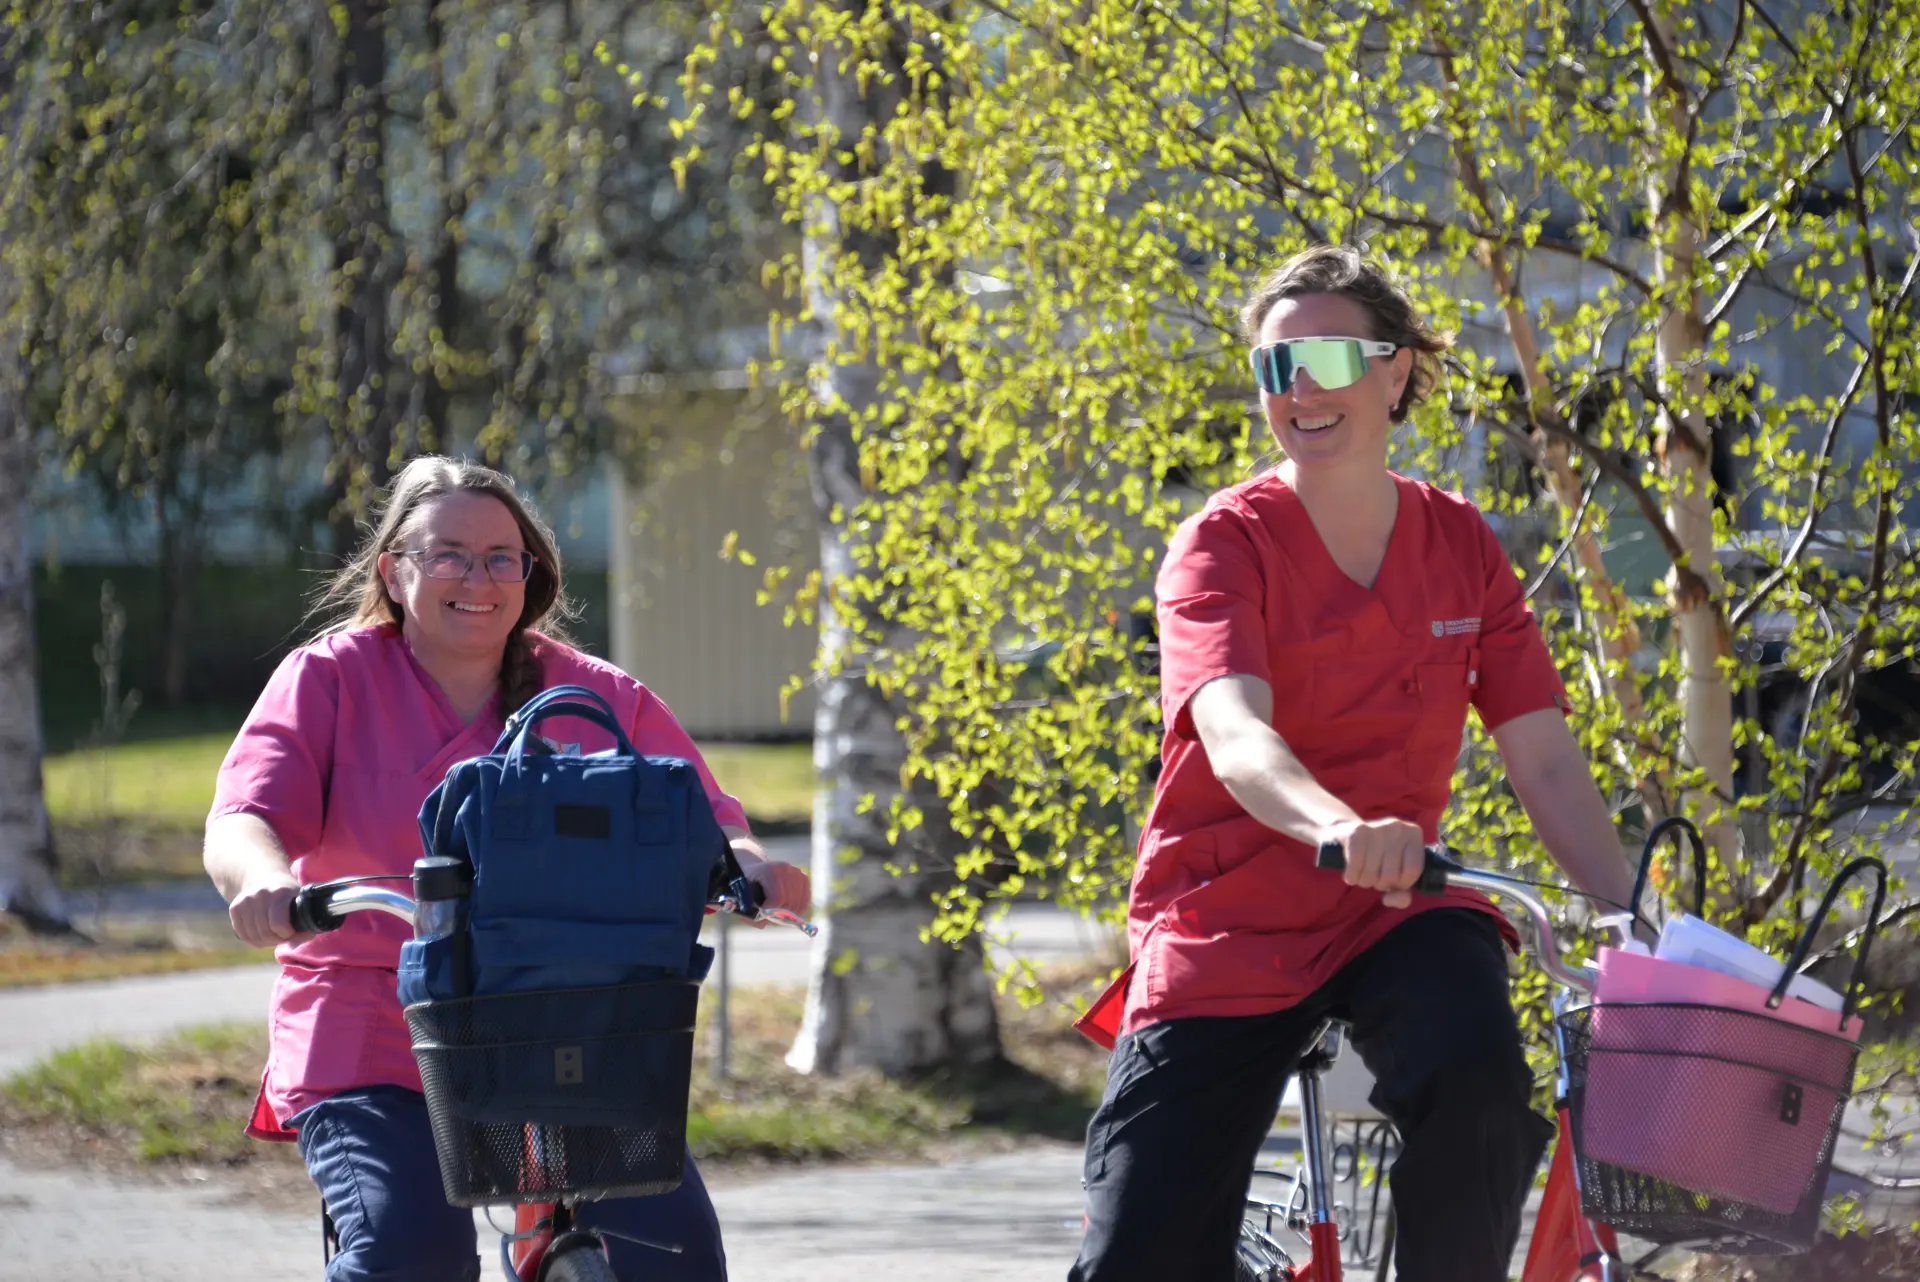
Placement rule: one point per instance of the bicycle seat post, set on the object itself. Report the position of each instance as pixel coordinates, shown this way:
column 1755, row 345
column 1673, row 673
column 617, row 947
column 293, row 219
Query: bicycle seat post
column 1325, row 1050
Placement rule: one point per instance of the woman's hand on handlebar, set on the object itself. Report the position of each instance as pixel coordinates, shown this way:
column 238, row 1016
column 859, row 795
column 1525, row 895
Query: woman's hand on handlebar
column 1383, row 854
column 259, row 912
column 781, row 886
column 777, row 887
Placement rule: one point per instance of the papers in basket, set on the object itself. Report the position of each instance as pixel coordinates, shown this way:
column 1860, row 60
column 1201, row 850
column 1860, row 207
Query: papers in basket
column 1692, row 942
column 1720, row 976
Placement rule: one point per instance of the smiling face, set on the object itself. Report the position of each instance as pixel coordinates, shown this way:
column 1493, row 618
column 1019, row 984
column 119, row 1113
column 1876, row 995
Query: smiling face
column 1321, row 427
column 468, row 618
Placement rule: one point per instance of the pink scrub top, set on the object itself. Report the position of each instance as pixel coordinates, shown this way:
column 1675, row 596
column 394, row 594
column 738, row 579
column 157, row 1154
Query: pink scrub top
column 337, row 756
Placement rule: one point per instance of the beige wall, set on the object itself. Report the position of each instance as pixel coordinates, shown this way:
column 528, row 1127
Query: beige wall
column 684, row 620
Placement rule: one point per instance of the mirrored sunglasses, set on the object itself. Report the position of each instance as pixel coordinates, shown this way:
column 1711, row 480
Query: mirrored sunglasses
column 1333, row 362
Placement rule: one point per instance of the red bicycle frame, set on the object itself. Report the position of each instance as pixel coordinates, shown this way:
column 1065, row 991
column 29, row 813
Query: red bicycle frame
column 1566, row 1244
column 532, row 1235
column 1566, row 1247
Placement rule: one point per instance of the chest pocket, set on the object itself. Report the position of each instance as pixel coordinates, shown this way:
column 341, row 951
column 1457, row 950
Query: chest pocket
column 1442, row 692
column 1363, row 697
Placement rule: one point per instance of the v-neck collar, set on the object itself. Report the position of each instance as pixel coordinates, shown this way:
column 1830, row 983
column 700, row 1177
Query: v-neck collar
column 1328, row 569
column 459, row 733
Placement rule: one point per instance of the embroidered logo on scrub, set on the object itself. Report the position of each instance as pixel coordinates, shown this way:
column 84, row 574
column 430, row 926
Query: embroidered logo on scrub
column 1455, row 627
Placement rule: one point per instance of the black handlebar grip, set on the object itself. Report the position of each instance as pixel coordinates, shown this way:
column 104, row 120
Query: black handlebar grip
column 310, row 912
column 1433, row 877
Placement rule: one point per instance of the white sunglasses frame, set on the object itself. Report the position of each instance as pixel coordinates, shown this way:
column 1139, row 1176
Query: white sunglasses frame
column 1369, row 347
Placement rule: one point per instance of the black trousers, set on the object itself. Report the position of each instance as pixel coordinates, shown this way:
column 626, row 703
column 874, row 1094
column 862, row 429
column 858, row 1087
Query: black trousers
column 1188, row 1101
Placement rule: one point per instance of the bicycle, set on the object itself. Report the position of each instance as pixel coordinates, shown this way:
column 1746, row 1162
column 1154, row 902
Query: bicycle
column 545, row 1244
column 1568, row 1245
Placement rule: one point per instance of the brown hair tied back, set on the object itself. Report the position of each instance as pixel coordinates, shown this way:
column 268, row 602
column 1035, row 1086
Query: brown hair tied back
column 1344, row 270
column 356, row 597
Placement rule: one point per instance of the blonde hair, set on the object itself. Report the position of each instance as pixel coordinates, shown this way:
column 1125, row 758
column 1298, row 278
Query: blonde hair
column 1344, row 270
column 357, row 597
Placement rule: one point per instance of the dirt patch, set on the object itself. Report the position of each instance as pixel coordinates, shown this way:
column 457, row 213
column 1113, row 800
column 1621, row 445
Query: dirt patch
column 112, row 949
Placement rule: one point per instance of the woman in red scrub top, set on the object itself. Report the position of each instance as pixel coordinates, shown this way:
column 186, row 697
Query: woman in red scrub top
column 439, row 642
column 1323, row 630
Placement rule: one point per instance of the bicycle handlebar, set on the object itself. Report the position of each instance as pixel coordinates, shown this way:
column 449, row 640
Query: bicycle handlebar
column 325, row 905
column 1442, row 870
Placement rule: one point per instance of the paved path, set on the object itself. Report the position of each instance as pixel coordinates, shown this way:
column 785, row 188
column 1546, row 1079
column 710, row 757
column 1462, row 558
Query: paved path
column 37, row 1021
column 1013, row 1218
column 1001, row 1219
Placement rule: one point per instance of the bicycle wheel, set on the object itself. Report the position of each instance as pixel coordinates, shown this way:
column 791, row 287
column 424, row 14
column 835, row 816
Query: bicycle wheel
column 577, row 1259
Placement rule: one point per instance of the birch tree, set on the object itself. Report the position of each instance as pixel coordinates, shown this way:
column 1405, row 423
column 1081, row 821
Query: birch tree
column 1685, row 234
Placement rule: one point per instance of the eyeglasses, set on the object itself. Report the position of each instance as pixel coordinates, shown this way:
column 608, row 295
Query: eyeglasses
column 1333, row 362
column 503, row 566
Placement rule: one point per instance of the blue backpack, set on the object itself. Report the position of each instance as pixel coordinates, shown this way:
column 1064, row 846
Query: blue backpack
column 585, row 871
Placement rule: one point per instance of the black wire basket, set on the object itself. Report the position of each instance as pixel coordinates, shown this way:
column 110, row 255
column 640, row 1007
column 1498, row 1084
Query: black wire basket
column 1703, row 1125
column 573, row 1092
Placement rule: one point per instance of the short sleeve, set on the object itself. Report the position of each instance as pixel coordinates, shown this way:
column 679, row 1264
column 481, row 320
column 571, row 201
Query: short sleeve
column 1516, row 675
column 1211, row 604
column 280, row 762
column 657, row 732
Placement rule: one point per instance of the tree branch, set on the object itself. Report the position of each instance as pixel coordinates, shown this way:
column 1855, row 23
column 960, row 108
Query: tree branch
column 1829, row 441
column 1655, row 37
column 1574, row 530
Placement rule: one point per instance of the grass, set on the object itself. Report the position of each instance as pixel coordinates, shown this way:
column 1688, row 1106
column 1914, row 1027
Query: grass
column 159, row 785
column 24, row 966
column 181, row 1101
column 152, row 783
column 1047, row 1088
column 774, row 781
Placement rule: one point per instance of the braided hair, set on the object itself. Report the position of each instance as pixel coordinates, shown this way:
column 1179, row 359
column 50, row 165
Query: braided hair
column 357, row 597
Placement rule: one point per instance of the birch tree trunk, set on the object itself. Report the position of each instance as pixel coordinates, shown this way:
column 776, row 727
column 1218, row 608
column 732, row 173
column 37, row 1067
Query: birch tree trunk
column 27, row 886
column 879, row 995
column 1615, row 638
column 1686, row 454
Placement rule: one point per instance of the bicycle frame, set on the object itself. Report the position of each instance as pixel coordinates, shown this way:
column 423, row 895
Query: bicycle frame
column 1566, row 1246
column 535, row 1225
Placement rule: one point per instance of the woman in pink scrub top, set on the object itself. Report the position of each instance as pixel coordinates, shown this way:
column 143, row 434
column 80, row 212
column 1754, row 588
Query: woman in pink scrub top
column 439, row 640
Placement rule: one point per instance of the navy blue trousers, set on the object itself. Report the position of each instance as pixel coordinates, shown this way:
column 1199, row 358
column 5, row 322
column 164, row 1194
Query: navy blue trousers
column 371, row 1153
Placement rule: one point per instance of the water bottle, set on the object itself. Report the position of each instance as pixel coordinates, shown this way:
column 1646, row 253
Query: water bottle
column 440, row 886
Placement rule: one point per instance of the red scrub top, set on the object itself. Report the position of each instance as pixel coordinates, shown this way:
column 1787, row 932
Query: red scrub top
column 1370, row 691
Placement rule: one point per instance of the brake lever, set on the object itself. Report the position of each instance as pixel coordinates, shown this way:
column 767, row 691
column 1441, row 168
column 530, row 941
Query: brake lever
column 780, row 916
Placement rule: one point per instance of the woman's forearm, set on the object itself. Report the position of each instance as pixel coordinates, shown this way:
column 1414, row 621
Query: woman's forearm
column 1263, row 775
column 242, row 850
column 1555, row 785
column 746, row 847
column 250, row 867
column 1233, row 717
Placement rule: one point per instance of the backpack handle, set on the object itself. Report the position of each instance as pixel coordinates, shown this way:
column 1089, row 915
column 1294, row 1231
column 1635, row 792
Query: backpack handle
column 1864, row 864
column 569, row 701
